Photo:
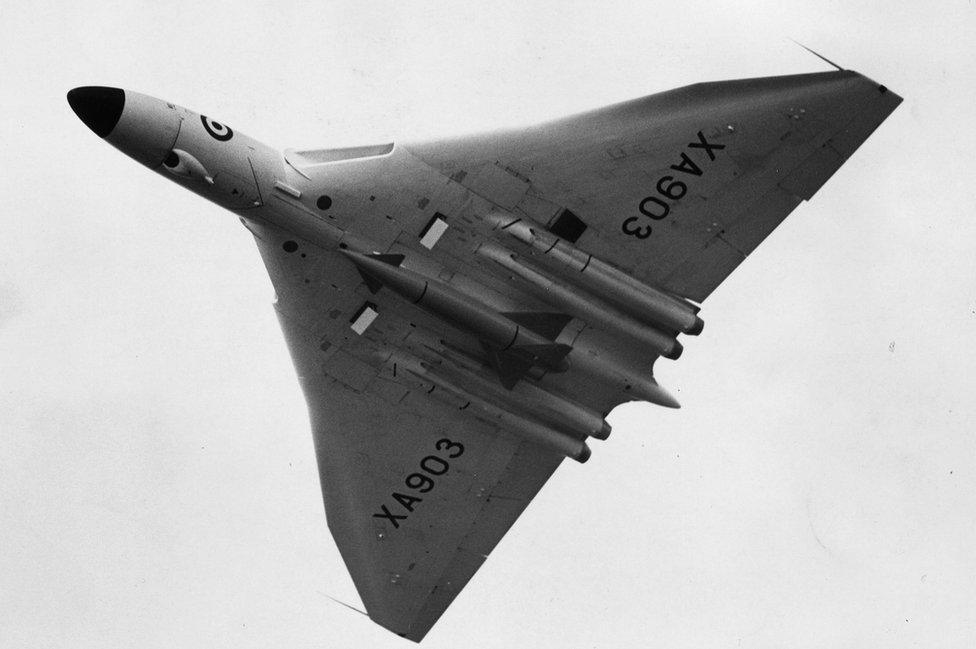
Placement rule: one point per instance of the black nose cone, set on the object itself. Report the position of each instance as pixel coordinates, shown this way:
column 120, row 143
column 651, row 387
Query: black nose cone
column 98, row 107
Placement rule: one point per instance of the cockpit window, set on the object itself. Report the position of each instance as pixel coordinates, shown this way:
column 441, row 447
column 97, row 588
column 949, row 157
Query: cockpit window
column 171, row 159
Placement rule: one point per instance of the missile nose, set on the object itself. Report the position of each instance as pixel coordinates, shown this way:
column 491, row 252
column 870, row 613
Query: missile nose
column 98, row 107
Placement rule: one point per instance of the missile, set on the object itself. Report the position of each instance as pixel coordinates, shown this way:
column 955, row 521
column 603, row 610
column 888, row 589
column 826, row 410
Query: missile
column 635, row 381
column 615, row 371
column 577, row 303
column 541, row 403
column 513, row 348
column 528, row 428
column 644, row 302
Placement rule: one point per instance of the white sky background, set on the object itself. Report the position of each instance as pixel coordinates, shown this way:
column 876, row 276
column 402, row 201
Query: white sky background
column 157, row 479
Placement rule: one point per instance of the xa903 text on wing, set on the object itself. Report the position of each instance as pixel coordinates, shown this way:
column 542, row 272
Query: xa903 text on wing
column 421, row 482
column 669, row 187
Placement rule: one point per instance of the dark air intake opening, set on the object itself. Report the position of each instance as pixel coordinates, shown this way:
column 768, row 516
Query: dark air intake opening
column 568, row 226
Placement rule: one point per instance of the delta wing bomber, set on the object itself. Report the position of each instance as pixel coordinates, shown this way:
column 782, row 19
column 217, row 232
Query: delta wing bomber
column 463, row 314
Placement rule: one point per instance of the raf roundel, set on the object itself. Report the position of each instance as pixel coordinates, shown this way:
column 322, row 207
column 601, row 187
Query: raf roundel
column 218, row 131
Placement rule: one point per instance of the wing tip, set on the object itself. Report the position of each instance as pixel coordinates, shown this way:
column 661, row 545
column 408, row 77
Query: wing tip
column 414, row 633
column 819, row 55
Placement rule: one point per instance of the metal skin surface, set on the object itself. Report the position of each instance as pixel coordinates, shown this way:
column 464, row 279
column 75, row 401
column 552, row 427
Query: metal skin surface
column 464, row 313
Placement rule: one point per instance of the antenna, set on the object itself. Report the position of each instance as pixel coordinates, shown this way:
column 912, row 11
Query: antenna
column 818, row 55
column 350, row 606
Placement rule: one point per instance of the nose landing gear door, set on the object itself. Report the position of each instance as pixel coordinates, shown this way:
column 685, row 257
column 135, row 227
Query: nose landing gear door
column 240, row 192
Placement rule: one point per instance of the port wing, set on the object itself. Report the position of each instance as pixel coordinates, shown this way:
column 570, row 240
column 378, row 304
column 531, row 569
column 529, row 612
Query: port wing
column 418, row 485
column 678, row 187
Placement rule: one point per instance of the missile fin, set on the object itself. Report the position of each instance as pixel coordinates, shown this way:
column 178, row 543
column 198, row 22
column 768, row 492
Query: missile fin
column 374, row 285
column 513, row 364
column 551, row 355
column 509, row 365
column 548, row 325
column 392, row 260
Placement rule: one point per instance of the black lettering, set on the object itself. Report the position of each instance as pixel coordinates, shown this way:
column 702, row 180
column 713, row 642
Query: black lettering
column 407, row 501
column 687, row 165
column 393, row 518
column 665, row 208
column 424, row 464
column 445, row 444
column 420, row 482
column 674, row 189
column 640, row 233
column 704, row 144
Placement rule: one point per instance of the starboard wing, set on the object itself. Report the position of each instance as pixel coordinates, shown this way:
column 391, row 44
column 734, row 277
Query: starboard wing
column 678, row 187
